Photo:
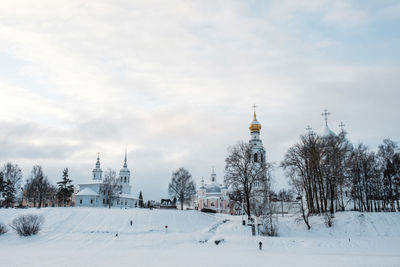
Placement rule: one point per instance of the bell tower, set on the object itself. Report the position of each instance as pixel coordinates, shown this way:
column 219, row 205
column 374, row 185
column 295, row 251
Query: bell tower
column 258, row 152
column 97, row 172
column 125, row 177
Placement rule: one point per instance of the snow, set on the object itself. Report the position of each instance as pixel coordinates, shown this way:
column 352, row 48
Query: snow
column 87, row 192
column 86, row 237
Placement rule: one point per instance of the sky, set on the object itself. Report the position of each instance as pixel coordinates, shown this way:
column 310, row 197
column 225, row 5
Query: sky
column 175, row 82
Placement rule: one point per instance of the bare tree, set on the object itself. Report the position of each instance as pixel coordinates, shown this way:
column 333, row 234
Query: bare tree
column 111, row 187
column 38, row 186
column 182, row 186
column 242, row 173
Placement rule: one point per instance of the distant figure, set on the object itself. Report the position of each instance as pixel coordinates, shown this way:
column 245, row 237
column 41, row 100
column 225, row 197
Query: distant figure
column 260, row 245
column 131, row 222
column 116, row 235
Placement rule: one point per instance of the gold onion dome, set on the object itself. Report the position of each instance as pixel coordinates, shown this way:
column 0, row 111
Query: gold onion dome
column 255, row 126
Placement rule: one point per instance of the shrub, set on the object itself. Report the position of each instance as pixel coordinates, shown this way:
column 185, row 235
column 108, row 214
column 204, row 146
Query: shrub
column 26, row 225
column 3, row 228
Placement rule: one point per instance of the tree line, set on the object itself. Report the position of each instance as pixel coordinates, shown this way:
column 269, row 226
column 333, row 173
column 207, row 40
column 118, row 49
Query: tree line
column 37, row 189
column 330, row 174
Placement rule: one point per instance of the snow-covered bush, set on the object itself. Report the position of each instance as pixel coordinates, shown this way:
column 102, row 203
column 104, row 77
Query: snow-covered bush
column 26, row 225
column 3, row 228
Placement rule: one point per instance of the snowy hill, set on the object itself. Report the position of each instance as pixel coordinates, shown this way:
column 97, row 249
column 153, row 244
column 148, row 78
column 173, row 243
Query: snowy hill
column 86, row 237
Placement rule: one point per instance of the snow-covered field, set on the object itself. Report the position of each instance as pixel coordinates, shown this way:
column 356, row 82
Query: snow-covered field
column 86, row 237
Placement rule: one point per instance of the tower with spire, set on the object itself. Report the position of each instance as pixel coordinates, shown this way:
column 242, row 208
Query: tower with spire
column 97, row 171
column 125, row 176
column 258, row 151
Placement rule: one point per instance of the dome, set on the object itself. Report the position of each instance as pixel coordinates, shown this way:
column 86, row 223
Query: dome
column 213, row 188
column 328, row 133
column 255, row 126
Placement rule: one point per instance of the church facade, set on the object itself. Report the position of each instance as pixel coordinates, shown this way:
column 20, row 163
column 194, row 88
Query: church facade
column 92, row 193
column 213, row 196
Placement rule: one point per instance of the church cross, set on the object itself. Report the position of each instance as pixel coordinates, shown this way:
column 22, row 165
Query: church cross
column 254, row 106
column 341, row 125
column 326, row 114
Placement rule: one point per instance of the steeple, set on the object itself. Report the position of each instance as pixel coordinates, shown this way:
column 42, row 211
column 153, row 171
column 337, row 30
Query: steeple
column 97, row 171
column 98, row 161
column 125, row 165
column 124, row 173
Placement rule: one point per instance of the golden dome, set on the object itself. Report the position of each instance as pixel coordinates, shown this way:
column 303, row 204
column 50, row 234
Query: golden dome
column 255, row 126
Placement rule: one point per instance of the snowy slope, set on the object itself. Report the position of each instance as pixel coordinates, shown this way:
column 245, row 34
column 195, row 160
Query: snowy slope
column 86, row 237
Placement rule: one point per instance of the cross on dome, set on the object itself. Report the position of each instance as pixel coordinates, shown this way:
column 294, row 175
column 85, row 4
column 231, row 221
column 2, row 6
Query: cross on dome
column 341, row 125
column 326, row 114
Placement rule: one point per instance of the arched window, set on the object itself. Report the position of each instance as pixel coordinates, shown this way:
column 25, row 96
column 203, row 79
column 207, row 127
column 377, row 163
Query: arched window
column 255, row 157
column 125, row 179
column 121, row 179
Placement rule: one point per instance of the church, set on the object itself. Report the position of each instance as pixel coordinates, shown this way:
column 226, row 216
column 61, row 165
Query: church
column 91, row 194
column 215, row 196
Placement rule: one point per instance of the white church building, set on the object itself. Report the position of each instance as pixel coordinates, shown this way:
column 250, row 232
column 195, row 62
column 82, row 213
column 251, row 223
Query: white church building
column 91, row 194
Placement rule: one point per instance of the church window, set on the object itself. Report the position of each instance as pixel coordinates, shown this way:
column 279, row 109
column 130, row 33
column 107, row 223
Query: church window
column 255, row 157
column 104, row 201
column 121, row 179
column 125, row 179
column 126, row 203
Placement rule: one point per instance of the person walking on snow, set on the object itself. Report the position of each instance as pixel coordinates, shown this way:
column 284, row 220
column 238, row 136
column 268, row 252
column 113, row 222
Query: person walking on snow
column 260, row 245
column 131, row 222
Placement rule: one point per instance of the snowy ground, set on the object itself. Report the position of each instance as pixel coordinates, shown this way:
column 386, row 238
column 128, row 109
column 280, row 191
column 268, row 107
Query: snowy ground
column 86, row 237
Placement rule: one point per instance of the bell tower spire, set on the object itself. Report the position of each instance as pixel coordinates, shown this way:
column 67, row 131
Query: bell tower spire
column 125, row 165
column 97, row 171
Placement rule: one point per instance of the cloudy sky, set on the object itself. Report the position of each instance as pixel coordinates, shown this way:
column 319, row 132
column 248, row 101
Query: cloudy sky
column 175, row 81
